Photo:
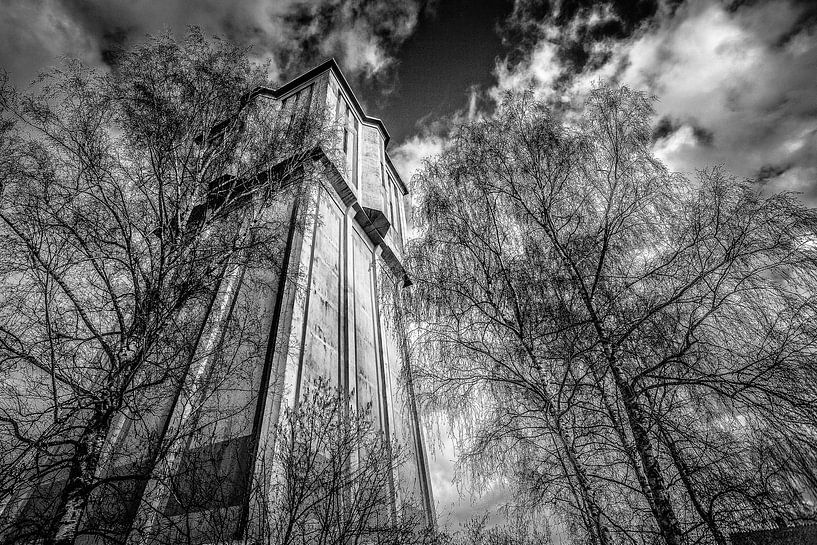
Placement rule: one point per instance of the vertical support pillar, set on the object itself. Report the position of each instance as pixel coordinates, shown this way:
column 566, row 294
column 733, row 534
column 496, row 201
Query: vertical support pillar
column 157, row 490
column 382, row 383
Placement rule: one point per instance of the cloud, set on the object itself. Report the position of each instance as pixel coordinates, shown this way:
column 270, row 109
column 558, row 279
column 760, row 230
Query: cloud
column 539, row 72
column 744, row 77
column 34, row 34
column 667, row 126
column 363, row 34
column 580, row 32
column 456, row 497
column 734, row 83
column 408, row 157
column 291, row 34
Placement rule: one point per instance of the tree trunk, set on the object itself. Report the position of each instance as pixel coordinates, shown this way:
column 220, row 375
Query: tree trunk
column 598, row 527
column 626, row 444
column 683, row 471
column 665, row 514
column 598, row 530
column 81, row 476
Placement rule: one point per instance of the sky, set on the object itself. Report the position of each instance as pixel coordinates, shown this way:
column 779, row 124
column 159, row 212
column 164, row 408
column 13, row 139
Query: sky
column 734, row 81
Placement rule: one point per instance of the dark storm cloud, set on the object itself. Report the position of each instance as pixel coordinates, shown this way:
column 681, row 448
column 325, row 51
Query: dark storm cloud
column 770, row 172
column 704, row 136
column 666, row 126
column 292, row 34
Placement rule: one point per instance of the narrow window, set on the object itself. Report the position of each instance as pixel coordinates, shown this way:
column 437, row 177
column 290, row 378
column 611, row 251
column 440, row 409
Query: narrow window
column 307, row 102
column 391, row 204
column 350, row 145
column 384, row 183
column 339, row 106
column 396, row 193
column 294, row 110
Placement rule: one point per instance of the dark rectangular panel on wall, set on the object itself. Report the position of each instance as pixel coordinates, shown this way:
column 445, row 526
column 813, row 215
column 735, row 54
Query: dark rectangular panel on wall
column 210, row 476
column 38, row 509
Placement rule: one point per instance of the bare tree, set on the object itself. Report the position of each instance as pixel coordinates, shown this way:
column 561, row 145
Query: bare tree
column 516, row 529
column 328, row 480
column 132, row 200
column 635, row 348
column 331, row 477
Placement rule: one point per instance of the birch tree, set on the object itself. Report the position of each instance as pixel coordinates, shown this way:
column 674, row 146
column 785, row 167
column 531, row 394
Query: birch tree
column 633, row 348
column 129, row 198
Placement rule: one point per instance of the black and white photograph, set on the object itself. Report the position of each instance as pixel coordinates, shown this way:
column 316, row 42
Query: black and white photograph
column 408, row 272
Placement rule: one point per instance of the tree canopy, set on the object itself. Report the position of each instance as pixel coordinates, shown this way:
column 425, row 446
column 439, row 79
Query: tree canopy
column 632, row 349
column 130, row 199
